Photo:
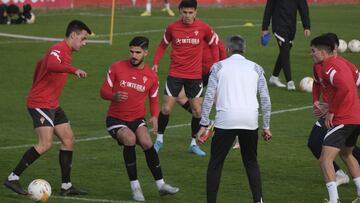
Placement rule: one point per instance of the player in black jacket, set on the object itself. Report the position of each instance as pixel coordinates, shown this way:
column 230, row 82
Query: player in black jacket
column 283, row 14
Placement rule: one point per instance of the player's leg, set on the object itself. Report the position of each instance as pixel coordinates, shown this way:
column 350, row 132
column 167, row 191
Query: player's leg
column 121, row 132
column 43, row 124
column 183, row 101
column 65, row 134
column 315, row 141
column 220, row 146
column 147, row 11
column 173, row 87
column 194, row 90
column 167, row 8
column 248, row 140
column 274, row 79
column 152, row 160
column 347, row 156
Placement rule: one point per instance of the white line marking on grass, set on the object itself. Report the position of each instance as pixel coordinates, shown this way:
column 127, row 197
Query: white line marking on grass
column 92, row 200
column 49, row 39
column 171, row 126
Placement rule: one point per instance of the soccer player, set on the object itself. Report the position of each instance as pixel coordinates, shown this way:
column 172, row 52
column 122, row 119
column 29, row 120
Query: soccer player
column 166, row 8
column 342, row 118
column 235, row 82
column 48, row 117
column 319, row 130
column 283, row 14
column 128, row 84
column 187, row 37
column 207, row 62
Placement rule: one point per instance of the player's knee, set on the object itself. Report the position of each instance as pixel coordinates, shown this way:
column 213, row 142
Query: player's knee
column 166, row 110
column 345, row 154
column 69, row 142
column 128, row 139
column 196, row 112
column 43, row 147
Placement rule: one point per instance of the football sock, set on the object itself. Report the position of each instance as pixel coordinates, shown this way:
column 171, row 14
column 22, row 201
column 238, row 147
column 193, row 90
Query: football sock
column 130, row 161
column 333, row 192
column 159, row 138
column 152, row 160
column 28, row 158
column 195, row 126
column 148, row 7
column 12, row 177
column 357, row 183
column 134, row 184
column 159, row 183
column 162, row 122
column 65, row 160
column 167, row 5
column 187, row 107
column 66, row 186
column 193, row 142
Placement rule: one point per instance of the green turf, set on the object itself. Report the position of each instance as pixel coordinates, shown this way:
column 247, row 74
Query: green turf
column 289, row 172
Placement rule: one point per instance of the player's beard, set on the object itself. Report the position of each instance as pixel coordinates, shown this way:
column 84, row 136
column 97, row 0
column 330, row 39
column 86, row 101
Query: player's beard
column 133, row 62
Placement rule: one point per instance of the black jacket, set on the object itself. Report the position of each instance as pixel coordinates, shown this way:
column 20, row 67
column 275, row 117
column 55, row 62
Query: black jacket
column 283, row 14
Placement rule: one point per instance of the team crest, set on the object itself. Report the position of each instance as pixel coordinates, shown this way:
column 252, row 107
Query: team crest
column 145, row 79
column 42, row 120
column 196, row 32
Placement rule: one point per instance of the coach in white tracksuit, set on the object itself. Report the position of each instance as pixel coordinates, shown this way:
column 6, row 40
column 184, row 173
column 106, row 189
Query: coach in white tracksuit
column 235, row 82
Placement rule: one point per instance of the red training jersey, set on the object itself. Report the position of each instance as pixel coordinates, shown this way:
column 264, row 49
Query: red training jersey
column 187, row 42
column 138, row 83
column 319, row 89
column 343, row 102
column 208, row 60
column 50, row 77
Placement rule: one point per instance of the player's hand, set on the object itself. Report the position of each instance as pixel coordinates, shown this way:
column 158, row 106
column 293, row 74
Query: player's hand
column 267, row 134
column 329, row 120
column 154, row 122
column 199, row 138
column 120, row 96
column 320, row 109
column 155, row 68
column 307, row 33
column 264, row 32
column 80, row 73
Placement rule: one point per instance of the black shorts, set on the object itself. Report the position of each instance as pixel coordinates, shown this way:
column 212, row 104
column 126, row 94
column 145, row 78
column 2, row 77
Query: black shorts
column 114, row 124
column 47, row 117
column 342, row 135
column 193, row 87
column 205, row 79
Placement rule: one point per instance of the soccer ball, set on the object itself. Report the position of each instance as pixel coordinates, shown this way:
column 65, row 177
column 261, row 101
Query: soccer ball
column 32, row 19
column 39, row 190
column 354, row 45
column 342, row 45
column 306, row 84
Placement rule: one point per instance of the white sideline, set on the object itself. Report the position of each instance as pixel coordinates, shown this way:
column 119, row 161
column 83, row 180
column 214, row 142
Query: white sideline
column 49, row 39
column 171, row 126
column 92, row 200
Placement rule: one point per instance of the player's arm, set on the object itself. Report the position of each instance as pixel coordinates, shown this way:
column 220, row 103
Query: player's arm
column 265, row 101
column 212, row 40
column 55, row 63
column 304, row 14
column 268, row 12
column 160, row 50
column 154, row 104
column 106, row 91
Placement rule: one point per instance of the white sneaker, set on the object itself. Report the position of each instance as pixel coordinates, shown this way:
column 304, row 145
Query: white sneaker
column 357, row 200
column 291, row 86
column 167, row 189
column 138, row 194
column 276, row 82
column 341, row 178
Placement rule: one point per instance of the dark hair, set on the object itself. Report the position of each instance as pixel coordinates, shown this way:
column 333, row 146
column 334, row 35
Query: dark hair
column 333, row 37
column 140, row 41
column 188, row 4
column 12, row 9
column 236, row 44
column 76, row 26
column 323, row 42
